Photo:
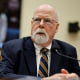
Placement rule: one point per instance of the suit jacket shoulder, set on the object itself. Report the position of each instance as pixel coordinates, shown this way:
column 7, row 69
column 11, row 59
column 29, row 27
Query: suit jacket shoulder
column 15, row 45
column 64, row 47
column 62, row 43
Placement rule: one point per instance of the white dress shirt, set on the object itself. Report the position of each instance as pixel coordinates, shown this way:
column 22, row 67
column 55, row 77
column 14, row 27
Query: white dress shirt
column 38, row 56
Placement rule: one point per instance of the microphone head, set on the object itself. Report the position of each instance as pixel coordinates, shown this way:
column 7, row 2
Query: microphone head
column 55, row 47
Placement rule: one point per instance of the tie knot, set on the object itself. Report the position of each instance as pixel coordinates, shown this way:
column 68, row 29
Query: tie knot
column 44, row 50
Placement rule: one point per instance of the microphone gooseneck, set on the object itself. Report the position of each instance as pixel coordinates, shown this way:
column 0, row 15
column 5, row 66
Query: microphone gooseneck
column 65, row 55
column 56, row 49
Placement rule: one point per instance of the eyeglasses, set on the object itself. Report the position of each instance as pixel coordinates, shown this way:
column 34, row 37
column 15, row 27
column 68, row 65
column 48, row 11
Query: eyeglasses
column 47, row 21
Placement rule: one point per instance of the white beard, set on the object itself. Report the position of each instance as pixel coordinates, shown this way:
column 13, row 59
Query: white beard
column 40, row 39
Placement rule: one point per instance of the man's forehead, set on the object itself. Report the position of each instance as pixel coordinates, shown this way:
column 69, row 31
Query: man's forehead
column 44, row 9
column 45, row 6
column 44, row 13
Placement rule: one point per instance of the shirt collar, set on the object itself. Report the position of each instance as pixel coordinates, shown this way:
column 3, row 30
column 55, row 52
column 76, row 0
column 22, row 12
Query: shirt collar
column 38, row 48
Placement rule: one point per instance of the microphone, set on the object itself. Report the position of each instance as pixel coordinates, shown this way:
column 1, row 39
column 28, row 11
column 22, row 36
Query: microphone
column 56, row 49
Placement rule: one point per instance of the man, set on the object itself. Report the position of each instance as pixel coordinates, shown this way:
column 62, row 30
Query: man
column 22, row 56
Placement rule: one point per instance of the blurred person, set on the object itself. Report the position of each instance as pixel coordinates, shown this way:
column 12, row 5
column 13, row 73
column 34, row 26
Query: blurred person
column 3, row 22
column 13, row 15
column 22, row 57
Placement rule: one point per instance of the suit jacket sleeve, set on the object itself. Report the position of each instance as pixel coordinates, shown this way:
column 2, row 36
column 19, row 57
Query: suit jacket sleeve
column 8, row 63
column 74, row 63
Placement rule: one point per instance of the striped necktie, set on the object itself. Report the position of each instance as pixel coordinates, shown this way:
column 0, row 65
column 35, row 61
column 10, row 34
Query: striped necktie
column 43, row 67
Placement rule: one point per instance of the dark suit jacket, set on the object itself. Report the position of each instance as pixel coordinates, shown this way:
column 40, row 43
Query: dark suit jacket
column 19, row 58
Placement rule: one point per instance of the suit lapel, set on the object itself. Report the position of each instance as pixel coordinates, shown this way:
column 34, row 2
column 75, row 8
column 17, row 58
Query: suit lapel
column 30, row 57
column 55, row 60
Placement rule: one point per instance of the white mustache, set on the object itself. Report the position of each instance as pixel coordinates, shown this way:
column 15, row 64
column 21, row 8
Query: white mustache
column 41, row 31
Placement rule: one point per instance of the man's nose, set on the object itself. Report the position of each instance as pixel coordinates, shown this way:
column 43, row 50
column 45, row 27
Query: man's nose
column 42, row 23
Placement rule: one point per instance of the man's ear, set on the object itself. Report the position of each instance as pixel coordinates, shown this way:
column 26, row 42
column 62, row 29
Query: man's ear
column 31, row 22
column 57, row 26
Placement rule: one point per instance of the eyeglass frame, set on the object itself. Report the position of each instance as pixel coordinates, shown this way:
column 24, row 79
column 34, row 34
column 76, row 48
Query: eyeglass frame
column 45, row 20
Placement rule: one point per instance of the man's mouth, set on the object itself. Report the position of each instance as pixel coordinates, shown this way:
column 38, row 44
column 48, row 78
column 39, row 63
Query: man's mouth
column 40, row 33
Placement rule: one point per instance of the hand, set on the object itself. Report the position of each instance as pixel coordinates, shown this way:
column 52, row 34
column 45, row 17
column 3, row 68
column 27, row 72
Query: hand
column 69, row 75
column 63, row 75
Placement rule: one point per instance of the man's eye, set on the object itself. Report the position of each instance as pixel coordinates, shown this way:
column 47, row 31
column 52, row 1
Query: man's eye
column 37, row 19
column 47, row 20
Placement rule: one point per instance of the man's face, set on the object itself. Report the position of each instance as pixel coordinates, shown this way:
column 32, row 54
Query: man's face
column 44, row 26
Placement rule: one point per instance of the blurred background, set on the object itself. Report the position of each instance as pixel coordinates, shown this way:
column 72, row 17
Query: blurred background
column 18, row 15
column 9, row 20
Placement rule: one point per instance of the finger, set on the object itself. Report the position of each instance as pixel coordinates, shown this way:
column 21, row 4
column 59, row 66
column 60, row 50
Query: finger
column 64, row 71
column 56, row 77
column 72, row 75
